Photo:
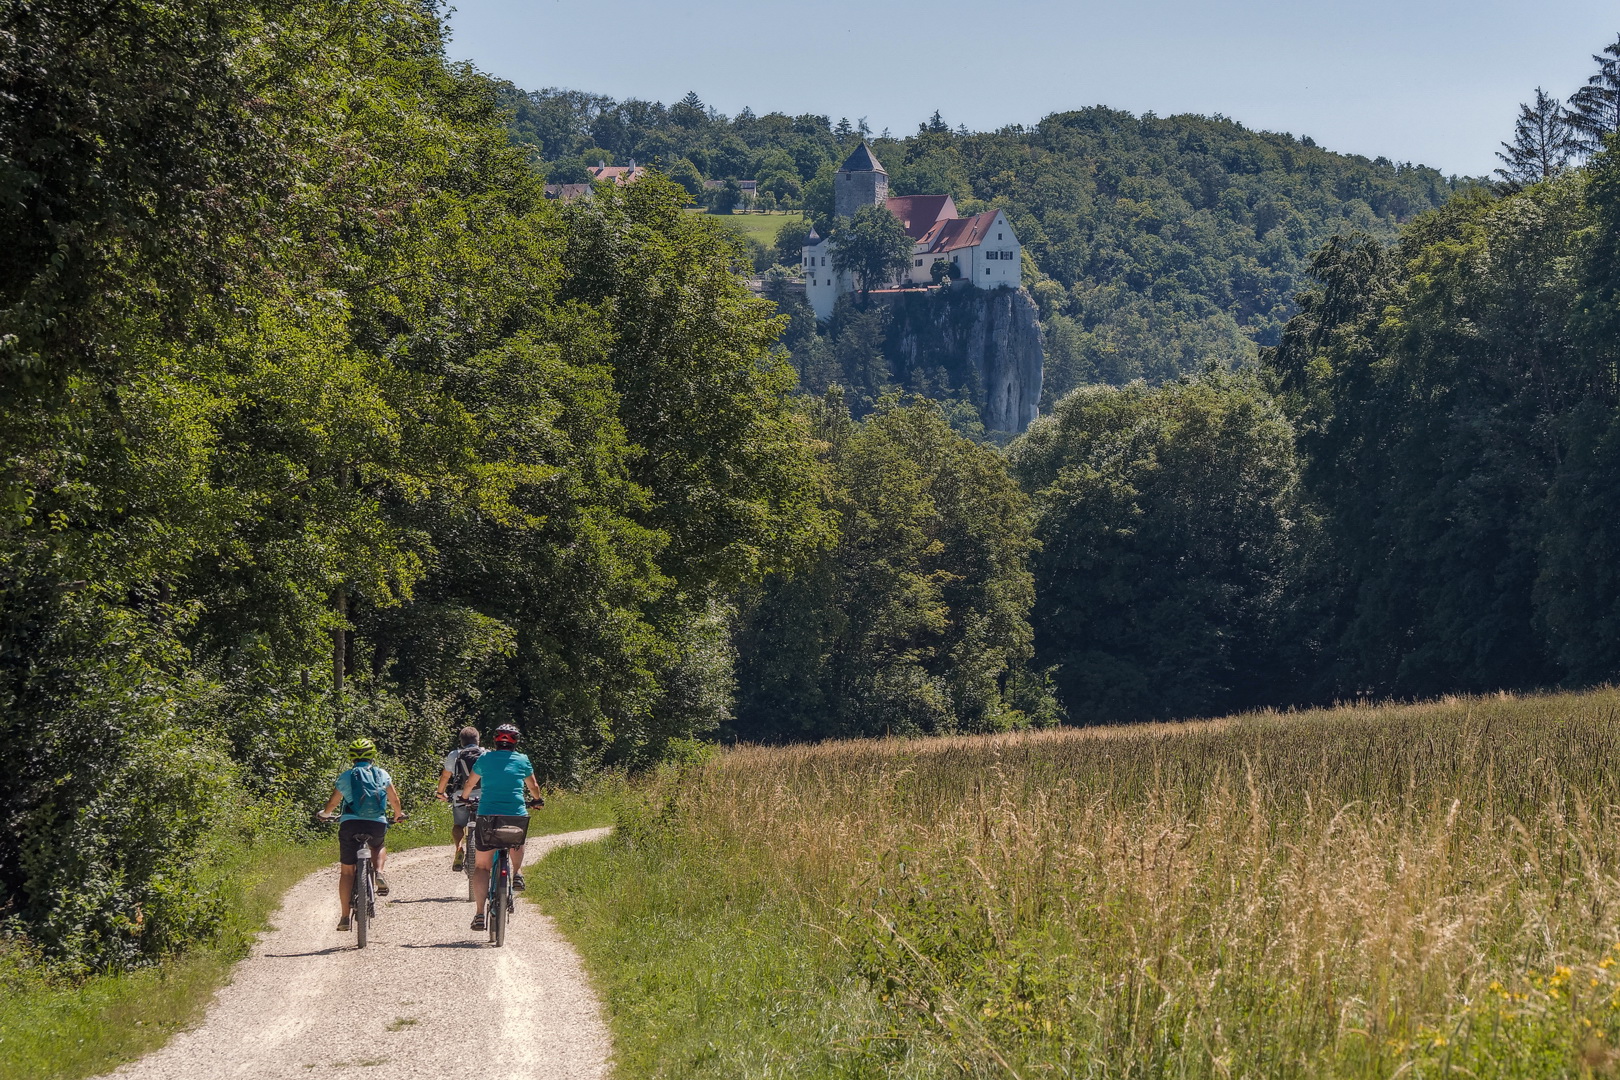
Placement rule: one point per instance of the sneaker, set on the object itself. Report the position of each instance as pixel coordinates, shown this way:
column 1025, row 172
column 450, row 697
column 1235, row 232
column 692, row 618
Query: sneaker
column 461, row 861
column 382, row 885
column 478, row 922
column 344, row 925
column 517, row 881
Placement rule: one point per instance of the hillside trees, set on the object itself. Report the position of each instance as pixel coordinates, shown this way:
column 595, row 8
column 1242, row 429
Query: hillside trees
column 308, row 387
column 1453, row 394
column 1170, row 531
column 914, row 619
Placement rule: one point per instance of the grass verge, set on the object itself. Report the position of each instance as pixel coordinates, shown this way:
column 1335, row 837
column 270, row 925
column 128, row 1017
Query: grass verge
column 55, row 1030
column 710, row 974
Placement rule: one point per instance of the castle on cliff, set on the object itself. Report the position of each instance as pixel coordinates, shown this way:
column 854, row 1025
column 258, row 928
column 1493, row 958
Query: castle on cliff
column 982, row 248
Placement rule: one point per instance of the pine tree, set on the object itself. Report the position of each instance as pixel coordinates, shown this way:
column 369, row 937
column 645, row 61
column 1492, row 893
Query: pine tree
column 843, row 131
column 1594, row 109
column 1543, row 143
column 936, row 124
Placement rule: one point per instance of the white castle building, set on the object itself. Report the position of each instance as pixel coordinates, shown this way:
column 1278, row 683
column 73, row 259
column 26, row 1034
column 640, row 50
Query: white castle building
column 984, row 247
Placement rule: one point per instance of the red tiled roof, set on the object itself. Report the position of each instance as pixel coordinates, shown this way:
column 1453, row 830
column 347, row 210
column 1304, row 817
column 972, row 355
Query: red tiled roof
column 957, row 233
column 918, row 213
column 620, row 174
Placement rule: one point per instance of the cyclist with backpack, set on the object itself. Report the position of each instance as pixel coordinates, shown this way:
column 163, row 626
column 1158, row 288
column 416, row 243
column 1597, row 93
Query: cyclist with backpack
column 454, row 774
column 366, row 793
column 505, row 777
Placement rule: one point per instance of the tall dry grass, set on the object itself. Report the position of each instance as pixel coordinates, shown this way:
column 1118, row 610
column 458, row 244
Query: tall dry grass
column 1354, row 892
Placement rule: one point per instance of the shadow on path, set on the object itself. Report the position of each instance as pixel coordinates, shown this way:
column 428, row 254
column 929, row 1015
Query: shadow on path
column 449, row 945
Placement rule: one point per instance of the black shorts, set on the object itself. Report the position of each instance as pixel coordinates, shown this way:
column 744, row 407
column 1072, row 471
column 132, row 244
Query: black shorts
column 488, row 822
column 349, row 834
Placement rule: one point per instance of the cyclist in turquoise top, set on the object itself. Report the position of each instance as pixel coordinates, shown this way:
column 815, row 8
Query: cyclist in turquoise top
column 504, row 777
column 366, row 793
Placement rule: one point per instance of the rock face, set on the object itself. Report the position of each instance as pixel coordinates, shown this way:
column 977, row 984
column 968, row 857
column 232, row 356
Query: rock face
column 985, row 342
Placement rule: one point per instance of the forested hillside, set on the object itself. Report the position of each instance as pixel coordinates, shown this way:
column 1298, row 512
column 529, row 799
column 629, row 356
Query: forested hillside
column 1158, row 243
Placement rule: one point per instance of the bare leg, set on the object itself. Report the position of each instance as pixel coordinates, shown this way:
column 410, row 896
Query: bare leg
column 457, row 832
column 486, row 859
column 517, row 860
column 381, row 856
column 345, row 890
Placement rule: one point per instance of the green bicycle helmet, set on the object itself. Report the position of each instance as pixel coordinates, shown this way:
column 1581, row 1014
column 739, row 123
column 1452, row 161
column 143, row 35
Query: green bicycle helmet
column 362, row 750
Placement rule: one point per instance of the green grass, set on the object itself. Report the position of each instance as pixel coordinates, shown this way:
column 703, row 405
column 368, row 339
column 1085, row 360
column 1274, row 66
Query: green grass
column 760, row 227
column 710, row 974
column 1425, row 891
column 53, row 1030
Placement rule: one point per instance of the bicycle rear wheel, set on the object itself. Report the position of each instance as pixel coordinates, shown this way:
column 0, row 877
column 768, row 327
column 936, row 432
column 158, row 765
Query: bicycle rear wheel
column 469, row 861
column 495, row 908
column 361, row 901
column 502, row 899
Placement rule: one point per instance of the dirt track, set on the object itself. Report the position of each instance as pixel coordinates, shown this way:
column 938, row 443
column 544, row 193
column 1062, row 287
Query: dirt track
column 426, row 998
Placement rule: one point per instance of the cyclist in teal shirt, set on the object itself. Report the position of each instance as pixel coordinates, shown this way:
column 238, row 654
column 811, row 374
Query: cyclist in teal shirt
column 366, row 794
column 503, row 776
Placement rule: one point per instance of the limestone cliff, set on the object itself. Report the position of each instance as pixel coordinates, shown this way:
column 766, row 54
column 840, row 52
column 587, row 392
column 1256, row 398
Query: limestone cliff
column 987, row 343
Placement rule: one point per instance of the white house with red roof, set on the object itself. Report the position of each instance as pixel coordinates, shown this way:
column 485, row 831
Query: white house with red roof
column 982, row 248
column 618, row 174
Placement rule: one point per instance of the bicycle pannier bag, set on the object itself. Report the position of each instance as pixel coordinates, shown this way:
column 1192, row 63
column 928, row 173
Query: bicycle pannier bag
column 503, row 832
column 508, row 835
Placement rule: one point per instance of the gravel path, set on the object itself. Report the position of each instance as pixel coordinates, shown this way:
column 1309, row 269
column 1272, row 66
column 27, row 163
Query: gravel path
column 427, row 997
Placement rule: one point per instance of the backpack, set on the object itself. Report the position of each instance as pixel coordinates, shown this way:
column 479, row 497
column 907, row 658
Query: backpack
column 463, row 769
column 367, row 796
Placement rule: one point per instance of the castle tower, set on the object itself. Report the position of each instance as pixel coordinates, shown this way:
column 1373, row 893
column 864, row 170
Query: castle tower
column 860, row 182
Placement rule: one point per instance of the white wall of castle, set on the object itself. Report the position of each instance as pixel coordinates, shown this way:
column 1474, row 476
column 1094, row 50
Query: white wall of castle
column 822, row 284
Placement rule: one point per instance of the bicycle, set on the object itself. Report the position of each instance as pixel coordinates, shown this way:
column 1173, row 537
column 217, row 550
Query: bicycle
column 363, row 900
column 501, row 902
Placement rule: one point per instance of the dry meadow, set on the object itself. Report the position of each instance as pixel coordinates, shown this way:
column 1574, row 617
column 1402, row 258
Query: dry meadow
column 1364, row 891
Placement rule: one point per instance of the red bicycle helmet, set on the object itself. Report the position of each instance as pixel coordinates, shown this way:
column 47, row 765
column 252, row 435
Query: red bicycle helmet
column 506, row 735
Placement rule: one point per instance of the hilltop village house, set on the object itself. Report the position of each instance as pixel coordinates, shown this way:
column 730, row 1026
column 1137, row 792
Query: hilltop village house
column 984, row 248
column 600, row 172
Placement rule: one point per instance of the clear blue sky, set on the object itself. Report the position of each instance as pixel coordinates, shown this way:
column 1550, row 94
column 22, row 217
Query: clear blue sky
column 1430, row 81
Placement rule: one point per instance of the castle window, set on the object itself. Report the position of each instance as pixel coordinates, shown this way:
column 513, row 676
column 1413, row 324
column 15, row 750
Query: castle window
column 918, row 262
column 987, row 269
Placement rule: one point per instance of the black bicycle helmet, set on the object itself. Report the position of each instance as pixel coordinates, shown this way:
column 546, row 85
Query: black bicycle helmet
column 506, row 735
